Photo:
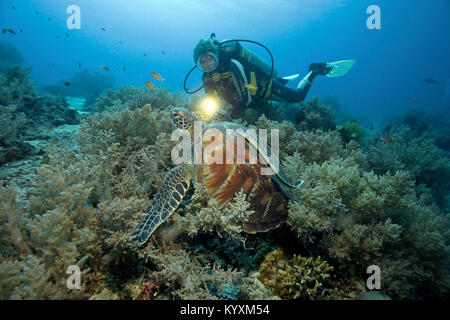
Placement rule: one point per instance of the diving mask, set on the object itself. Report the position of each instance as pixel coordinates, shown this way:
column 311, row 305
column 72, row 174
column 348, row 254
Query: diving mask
column 208, row 62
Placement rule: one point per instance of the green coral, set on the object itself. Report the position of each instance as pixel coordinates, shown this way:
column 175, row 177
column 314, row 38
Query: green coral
column 224, row 221
column 133, row 98
column 359, row 218
column 83, row 203
column 315, row 115
column 186, row 276
column 295, row 278
column 426, row 163
column 351, row 130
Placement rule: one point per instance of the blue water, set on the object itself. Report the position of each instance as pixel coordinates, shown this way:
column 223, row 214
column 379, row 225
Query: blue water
column 392, row 63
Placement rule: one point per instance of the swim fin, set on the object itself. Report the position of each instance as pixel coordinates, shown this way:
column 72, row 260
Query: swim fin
column 339, row 68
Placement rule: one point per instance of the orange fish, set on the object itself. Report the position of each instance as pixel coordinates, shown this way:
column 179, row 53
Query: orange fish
column 156, row 76
column 387, row 139
column 149, row 84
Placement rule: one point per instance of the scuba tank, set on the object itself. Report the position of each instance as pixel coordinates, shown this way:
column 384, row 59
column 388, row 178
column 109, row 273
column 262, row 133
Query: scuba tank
column 247, row 55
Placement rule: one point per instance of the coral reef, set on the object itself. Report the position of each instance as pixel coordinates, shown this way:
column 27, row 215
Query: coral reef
column 9, row 55
column 225, row 222
column 314, row 115
column 55, row 230
column 358, row 206
column 351, row 131
column 295, row 278
column 425, row 162
column 82, row 84
column 183, row 275
column 359, row 218
column 434, row 123
column 26, row 116
column 133, row 98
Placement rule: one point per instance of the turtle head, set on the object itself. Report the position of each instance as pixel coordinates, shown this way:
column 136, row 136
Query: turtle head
column 182, row 118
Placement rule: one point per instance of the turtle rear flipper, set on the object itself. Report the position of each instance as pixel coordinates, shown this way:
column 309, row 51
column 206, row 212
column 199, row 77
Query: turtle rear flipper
column 166, row 200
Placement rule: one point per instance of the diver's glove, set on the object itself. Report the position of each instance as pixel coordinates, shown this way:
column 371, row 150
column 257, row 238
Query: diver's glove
column 320, row 68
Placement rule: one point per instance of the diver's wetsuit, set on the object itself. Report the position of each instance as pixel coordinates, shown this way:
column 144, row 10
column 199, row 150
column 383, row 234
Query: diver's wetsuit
column 242, row 78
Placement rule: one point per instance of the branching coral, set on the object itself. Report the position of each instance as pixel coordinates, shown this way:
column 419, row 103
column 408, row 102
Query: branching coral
column 56, row 230
column 10, row 123
column 351, row 131
column 183, row 275
column 295, row 278
column 314, row 115
column 426, row 163
column 360, row 218
column 27, row 116
column 224, row 221
column 84, row 203
column 133, row 98
column 316, row 146
column 132, row 156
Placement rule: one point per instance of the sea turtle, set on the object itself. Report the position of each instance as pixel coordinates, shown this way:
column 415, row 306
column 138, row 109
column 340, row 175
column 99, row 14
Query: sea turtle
column 267, row 194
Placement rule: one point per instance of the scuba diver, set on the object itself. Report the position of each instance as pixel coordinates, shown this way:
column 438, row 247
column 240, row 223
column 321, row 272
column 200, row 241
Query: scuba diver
column 235, row 74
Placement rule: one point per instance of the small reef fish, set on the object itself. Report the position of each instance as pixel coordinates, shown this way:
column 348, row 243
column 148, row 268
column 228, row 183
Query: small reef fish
column 145, row 54
column 35, row 11
column 120, row 42
column 149, row 84
column 103, row 29
column 163, row 52
column 57, row 37
column 67, row 35
column 104, row 68
column 4, row 30
column 21, row 30
column 429, row 80
column 67, row 83
column 79, row 64
column 156, row 76
column 49, row 19
column 123, row 68
column 13, row 7
column 387, row 139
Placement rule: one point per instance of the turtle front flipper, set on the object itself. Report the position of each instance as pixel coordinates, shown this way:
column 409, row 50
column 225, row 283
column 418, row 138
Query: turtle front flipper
column 166, row 200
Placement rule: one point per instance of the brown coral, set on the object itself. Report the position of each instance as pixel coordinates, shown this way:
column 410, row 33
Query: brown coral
column 295, row 278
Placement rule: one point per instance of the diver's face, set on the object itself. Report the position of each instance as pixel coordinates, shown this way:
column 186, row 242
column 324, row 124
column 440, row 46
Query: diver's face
column 207, row 62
